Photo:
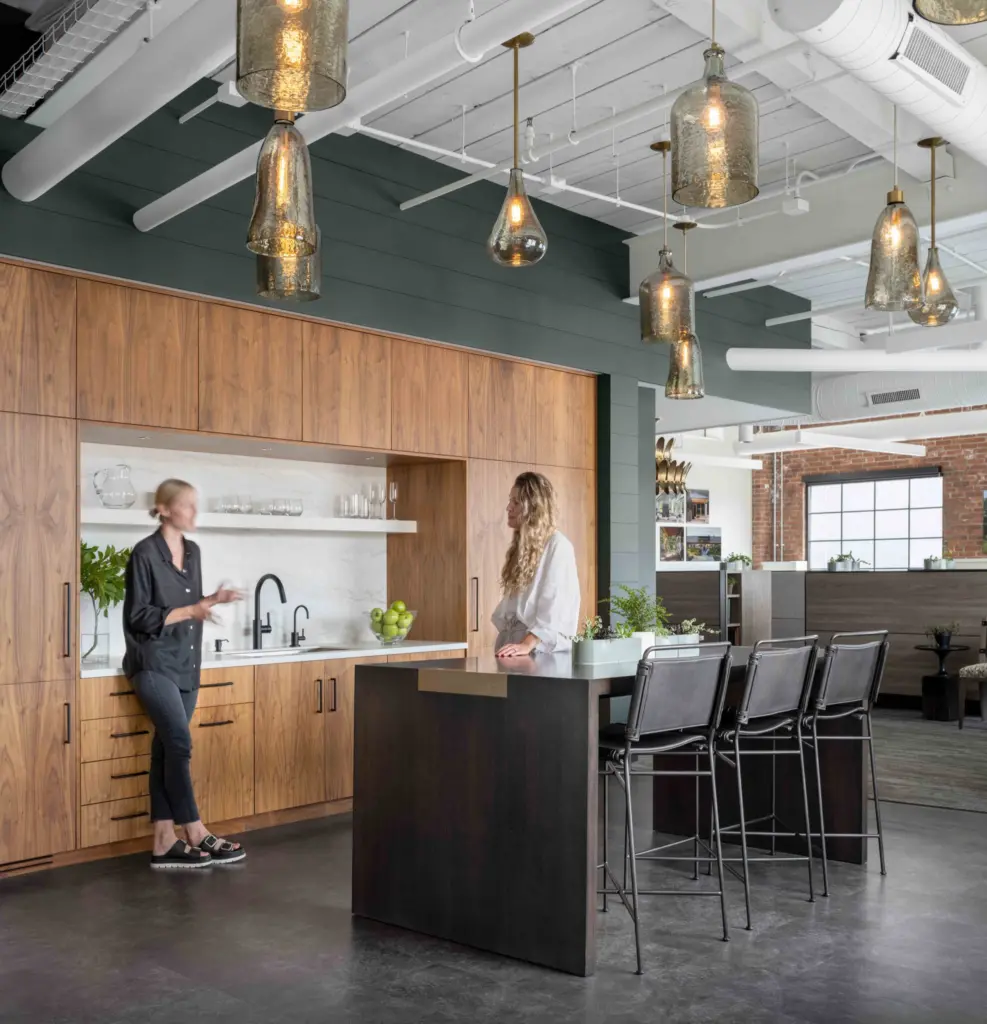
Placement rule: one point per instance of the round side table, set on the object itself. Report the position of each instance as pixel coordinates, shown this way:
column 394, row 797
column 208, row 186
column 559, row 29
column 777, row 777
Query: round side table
column 941, row 692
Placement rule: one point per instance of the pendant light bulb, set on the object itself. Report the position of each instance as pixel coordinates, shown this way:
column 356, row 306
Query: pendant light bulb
column 517, row 238
column 685, row 370
column 939, row 305
column 952, row 12
column 290, row 278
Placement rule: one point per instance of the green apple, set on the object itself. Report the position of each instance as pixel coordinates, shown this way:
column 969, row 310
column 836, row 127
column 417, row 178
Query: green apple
column 405, row 621
column 399, row 606
column 377, row 615
column 402, row 633
column 391, row 618
column 389, row 630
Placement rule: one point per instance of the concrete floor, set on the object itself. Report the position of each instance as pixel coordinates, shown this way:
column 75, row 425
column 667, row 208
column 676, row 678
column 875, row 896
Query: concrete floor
column 274, row 941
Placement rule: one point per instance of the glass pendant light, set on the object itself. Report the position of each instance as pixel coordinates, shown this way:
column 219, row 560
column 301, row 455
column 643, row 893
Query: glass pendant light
column 894, row 282
column 295, row 278
column 291, row 54
column 685, row 370
column 939, row 306
column 666, row 297
column 517, row 239
column 952, row 12
column 283, row 222
column 714, row 138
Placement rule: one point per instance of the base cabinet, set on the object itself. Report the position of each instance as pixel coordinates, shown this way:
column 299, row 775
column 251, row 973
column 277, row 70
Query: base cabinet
column 340, row 680
column 223, row 761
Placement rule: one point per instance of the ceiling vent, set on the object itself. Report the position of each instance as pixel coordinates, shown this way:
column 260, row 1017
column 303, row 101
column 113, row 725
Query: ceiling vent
column 891, row 397
column 930, row 59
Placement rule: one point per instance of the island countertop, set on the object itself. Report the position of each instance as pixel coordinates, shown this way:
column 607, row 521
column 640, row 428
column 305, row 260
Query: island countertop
column 539, row 666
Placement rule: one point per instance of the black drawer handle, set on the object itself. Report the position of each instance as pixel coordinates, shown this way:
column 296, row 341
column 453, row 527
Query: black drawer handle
column 68, row 722
column 212, row 686
column 125, row 817
column 67, row 652
column 124, row 735
column 122, row 693
column 212, row 725
column 130, row 775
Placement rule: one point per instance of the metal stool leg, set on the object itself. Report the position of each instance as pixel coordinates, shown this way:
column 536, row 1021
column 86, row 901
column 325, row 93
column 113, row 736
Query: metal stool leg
column 774, row 797
column 743, row 828
column 606, row 829
column 822, row 817
column 716, row 837
column 805, row 806
column 695, row 838
column 633, row 853
column 877, row 802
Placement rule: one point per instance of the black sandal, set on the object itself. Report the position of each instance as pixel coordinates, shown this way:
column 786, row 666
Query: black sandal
column 222, row 851
column 181, row 856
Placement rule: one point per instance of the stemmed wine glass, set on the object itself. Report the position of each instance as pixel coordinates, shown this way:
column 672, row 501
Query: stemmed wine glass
column 393, row 495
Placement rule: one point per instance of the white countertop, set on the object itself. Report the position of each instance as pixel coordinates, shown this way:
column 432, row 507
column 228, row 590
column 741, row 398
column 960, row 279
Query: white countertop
column 367, row 650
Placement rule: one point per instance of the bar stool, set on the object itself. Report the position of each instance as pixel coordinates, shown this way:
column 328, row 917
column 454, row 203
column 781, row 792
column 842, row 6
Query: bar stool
column 777, row 689
column 848, row 687
column 676, row 707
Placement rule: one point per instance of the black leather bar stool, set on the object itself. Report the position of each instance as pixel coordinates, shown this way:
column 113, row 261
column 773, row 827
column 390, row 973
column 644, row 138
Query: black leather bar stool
column 676, row 707
column 848, row 687
column 777, row 689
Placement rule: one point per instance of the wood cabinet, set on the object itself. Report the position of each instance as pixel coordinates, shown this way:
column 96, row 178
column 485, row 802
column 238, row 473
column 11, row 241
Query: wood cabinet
column 250, row 373
column 340, row 677
column 223, row 761
column 115, row 821
column 289, row 736
column 429, row 399
column 37, row 341
column 39, row 552
column 347, row 387
column 565, row 419
column 37, row 770
column 138, row 356
column 502, row 409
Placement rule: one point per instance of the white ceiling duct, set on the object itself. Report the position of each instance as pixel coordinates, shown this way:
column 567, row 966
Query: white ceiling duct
column 822, row 360
column 864, row 395
column 914, row 64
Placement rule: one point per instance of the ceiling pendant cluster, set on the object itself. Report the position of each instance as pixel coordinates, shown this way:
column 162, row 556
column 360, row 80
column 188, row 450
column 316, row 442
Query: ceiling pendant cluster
column 939, row 305
column 952, row 12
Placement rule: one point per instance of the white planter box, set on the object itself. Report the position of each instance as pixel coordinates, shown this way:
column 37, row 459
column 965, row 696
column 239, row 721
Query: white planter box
column 606, row 652
column 646, row 639
column 737, row 566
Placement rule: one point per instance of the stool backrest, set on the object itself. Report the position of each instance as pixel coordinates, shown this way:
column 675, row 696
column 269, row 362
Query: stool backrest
column 779, row 678
column 679, row 693
column 852, row 671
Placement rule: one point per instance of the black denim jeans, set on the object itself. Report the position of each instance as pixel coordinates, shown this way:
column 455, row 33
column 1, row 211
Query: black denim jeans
column 170, row 782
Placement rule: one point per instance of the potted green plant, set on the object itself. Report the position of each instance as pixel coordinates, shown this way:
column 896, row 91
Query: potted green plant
column 846, row 563
column 642, row 611
column 101, row 578
column 737, row 563
column 942, row 634
column 596, row 644
column 933, row 562
column 689, row 631
column 948, row 558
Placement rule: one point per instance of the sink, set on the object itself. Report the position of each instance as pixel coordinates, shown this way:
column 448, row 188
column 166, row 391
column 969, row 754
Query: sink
column 280, row 652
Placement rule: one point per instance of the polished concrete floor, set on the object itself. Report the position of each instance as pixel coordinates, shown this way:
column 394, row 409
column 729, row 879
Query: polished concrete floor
column 273, row 941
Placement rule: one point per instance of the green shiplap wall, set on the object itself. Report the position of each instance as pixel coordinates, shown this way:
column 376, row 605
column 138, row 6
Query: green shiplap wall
column 423, row 273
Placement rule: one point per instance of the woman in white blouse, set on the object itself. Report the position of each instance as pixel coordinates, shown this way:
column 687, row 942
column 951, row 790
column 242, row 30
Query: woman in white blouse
column 540, row 608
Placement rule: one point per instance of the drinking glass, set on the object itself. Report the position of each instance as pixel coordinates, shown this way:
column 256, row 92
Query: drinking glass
column 265, row 507
column 393, row 492
column 246, row 504
column 279, row 507
column 364, row 507
column 378, row 502
column 230, row 503
column 295, row 507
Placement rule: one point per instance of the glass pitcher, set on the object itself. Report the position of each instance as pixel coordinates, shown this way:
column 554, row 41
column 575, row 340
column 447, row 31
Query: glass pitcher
column 113, row 487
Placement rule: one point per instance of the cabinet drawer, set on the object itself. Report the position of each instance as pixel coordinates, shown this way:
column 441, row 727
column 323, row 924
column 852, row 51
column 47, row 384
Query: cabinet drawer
column 107, row 697
column 108, row 738
column 116, row 820
column 226, row 686
column 119, row 779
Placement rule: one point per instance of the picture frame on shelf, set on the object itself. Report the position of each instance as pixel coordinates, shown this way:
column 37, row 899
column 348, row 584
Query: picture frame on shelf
column 697, row 508
column 703, row 544
column 671, row 543
column 670, row 508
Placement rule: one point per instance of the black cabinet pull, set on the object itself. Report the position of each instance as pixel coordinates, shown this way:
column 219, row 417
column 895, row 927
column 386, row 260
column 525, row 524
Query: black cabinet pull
column 212, row 725
column 212, row 686
column 122, row 693
column 67, row 653
column 475, row 584
column 319, row 684
column 130, row 775
column 334, row 706
column 68, row 722
column 125, row 817
column 124, row 735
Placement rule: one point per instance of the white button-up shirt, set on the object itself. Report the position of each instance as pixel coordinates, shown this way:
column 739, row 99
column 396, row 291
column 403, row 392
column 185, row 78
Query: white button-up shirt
column 549, row 607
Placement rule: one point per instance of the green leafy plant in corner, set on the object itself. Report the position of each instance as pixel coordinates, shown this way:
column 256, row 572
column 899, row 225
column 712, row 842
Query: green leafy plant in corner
column 743, row 559
column 593, row 629
column 101, row 576
column 642, row 611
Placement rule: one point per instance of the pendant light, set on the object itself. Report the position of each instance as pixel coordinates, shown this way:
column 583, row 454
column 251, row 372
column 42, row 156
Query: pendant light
column 685, row 370
column 666, row 297
column 517, row 239
column 293, row 278
column 714, row 138
column 291, row 54
column 952, row 12
column 940, row 304
column 894, row 282
column 283, row 221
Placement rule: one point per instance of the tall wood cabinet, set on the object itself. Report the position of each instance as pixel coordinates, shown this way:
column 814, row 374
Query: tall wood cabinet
column 429, row 399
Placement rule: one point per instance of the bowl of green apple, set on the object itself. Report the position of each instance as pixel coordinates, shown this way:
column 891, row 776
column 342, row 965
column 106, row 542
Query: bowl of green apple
column 392, row 625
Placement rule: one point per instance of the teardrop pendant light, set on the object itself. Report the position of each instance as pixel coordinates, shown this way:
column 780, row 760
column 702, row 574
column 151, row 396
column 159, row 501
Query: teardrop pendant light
column 894, row 282
column 283, row 221
column 939, row 306
column 517, row 239
column 714, row 138
column 666, row 297
column 291, row 54
column 292, row 278
column 952, row 12
column 685, row 370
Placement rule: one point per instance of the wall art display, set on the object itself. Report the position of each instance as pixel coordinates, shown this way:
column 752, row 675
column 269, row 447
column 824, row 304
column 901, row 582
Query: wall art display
column 671, row 544
column 698, row 506
column 669, row 508
column 703, row 544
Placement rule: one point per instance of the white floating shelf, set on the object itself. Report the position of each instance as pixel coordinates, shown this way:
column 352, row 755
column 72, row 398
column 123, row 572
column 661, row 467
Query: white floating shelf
column 139, row 519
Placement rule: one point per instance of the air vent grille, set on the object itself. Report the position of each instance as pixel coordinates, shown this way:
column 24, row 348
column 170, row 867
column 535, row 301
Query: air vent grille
column 933, row 60
column 890, row 397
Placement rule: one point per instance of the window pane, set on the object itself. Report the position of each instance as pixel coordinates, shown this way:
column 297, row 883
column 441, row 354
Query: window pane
column 824, row 497
column 926, row 522
column 923, row 549
column 891, row 524
column 891, row 494
column 825, row 526
column 857, row 497
column 926, row 491
column 862, row 551
column 891, row 554
column 857, row 525
column 821, row 552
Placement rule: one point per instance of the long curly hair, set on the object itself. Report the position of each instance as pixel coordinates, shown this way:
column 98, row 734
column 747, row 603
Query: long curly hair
column 539, row 518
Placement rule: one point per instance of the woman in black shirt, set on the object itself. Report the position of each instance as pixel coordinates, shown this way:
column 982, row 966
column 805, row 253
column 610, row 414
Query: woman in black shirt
column 163, row 612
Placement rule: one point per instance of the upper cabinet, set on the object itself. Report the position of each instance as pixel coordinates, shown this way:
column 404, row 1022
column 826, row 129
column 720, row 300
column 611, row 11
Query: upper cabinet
column 502, row 409
column 138, row 357
column 250, row 373
column 429, row 399
column 37, row 341
column 565, row 418
column 347, row 387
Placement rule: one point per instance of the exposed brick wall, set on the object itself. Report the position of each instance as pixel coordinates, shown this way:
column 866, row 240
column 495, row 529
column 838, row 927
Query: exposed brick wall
column 964, row 468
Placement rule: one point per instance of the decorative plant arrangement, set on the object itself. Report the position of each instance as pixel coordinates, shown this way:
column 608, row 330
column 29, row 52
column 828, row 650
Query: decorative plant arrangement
column 643, row 612
column 846, row 563
column 596, row 644
column 942, row 634
column 943, row 561
column 737, row 563
column 691, row 627
column 101, row 576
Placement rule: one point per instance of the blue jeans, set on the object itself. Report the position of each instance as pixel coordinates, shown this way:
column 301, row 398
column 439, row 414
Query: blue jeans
column 170, row 782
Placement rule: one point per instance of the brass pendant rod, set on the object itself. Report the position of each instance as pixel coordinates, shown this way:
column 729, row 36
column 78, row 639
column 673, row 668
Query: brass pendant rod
column 895, row 144
column 932, row 232
column 712, row 33
column 517, row 162
column 664, row 195
column 685, row 252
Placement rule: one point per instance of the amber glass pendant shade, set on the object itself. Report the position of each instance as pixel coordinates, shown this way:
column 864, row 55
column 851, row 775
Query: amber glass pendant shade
column 894, row 282
column 952, row 12
column 517, row 239
column 290, row 278
column 940, row 304
column 291, row 54
column 667, row 303
column 714, row 140
column 685, row 370
column 283, row 222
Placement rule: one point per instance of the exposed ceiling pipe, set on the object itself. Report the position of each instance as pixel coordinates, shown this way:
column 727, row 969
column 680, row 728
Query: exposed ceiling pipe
column 799, row 440
column 193, row 46
column 821, row 360
column 469, row 43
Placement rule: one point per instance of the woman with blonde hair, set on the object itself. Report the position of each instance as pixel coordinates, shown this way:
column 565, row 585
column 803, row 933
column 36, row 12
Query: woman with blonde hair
column 539, row 612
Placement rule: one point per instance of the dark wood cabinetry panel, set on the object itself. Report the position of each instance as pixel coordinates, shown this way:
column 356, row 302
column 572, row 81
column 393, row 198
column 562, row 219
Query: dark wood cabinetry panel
column 37, row 341
column 429, row 399
column 565, row 418
column 502, row 409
